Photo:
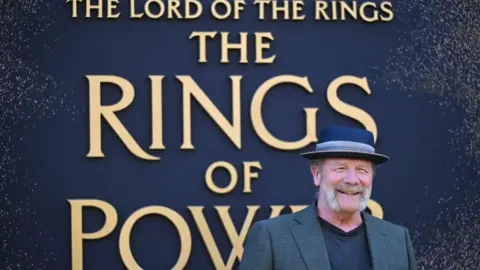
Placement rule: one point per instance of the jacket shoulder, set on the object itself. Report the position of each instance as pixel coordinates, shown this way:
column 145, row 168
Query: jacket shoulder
column 266, row 243
column 386, row 225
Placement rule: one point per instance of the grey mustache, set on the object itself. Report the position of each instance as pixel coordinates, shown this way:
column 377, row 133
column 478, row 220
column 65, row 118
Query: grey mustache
column 349, row 188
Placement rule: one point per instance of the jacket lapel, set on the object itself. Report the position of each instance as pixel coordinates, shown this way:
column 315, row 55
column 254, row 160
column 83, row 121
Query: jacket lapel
column 309, row 239
column 379, row 243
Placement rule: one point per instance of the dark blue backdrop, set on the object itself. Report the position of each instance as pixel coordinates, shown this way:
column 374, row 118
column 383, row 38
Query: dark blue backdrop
column 423, row 187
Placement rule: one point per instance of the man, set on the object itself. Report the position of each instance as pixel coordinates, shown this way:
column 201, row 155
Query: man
column 334, row 232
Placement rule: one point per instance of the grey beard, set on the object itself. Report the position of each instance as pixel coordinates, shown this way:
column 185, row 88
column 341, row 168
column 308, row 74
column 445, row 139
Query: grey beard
column 335, row 206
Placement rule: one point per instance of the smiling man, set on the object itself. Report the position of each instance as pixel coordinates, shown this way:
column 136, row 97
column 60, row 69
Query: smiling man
column 334, row 232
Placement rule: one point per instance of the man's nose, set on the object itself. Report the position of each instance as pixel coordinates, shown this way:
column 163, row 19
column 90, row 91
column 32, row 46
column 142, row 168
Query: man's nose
column 351, row 177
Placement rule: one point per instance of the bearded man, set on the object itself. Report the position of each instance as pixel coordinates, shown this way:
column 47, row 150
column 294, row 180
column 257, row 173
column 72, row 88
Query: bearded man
column 335, row 232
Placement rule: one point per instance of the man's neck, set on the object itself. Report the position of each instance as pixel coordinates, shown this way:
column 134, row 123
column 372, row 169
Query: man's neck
column 346, row 221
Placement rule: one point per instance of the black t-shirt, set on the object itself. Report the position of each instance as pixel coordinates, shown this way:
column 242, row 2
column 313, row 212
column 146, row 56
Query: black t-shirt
column 346, row 250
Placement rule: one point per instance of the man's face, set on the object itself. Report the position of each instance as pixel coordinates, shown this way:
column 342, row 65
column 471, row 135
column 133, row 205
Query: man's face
column 344, row 184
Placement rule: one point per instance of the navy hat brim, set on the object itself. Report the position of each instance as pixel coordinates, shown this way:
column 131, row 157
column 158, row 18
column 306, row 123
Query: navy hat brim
column 374, row 157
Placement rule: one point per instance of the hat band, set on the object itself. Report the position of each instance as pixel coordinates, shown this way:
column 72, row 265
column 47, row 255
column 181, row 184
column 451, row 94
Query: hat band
column 344, row 145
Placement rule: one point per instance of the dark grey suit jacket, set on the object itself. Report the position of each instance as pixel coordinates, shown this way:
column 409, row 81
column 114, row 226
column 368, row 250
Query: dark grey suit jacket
column 295, row 241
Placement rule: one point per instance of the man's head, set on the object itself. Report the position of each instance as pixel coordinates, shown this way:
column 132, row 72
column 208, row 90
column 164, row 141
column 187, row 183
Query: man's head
column 343, row 165
column 343, row 184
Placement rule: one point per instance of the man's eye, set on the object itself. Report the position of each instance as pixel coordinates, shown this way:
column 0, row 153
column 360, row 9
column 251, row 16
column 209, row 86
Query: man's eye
column 340, row 169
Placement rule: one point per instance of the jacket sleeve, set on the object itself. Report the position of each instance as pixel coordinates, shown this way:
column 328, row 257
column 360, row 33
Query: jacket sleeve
column 257, row 252
column 412, row 261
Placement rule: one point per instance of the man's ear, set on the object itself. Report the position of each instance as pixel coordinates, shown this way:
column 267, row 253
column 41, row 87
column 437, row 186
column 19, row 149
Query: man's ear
column 317, row 175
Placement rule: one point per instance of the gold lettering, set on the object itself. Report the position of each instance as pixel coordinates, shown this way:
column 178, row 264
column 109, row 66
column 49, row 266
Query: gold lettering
column 226, row 46
column 74, row 7
column 157, row 114
column 375, row 208
column 387, row 8
column 296, row 208
column 173, row 8
column 348, row 110
column 108, row 112
column 248, row 174
column 177, row 220
column 188, row 12
column 226, row 4
column 233, row 177
column 257, row 119
column 334, row 11
column 363, row 6
column 134, row 15
column 161, row 7
column 320, row 7
column 98, row 7
column 277, row 9
column 297, row 10
column 261, row 8
column 260, row 46
column 112, row 4
column 276, row 210
column 236, row 239
column 352, row 10
column 233, row 131
column 202, row 44
column 238, row 6
column 78, row 235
